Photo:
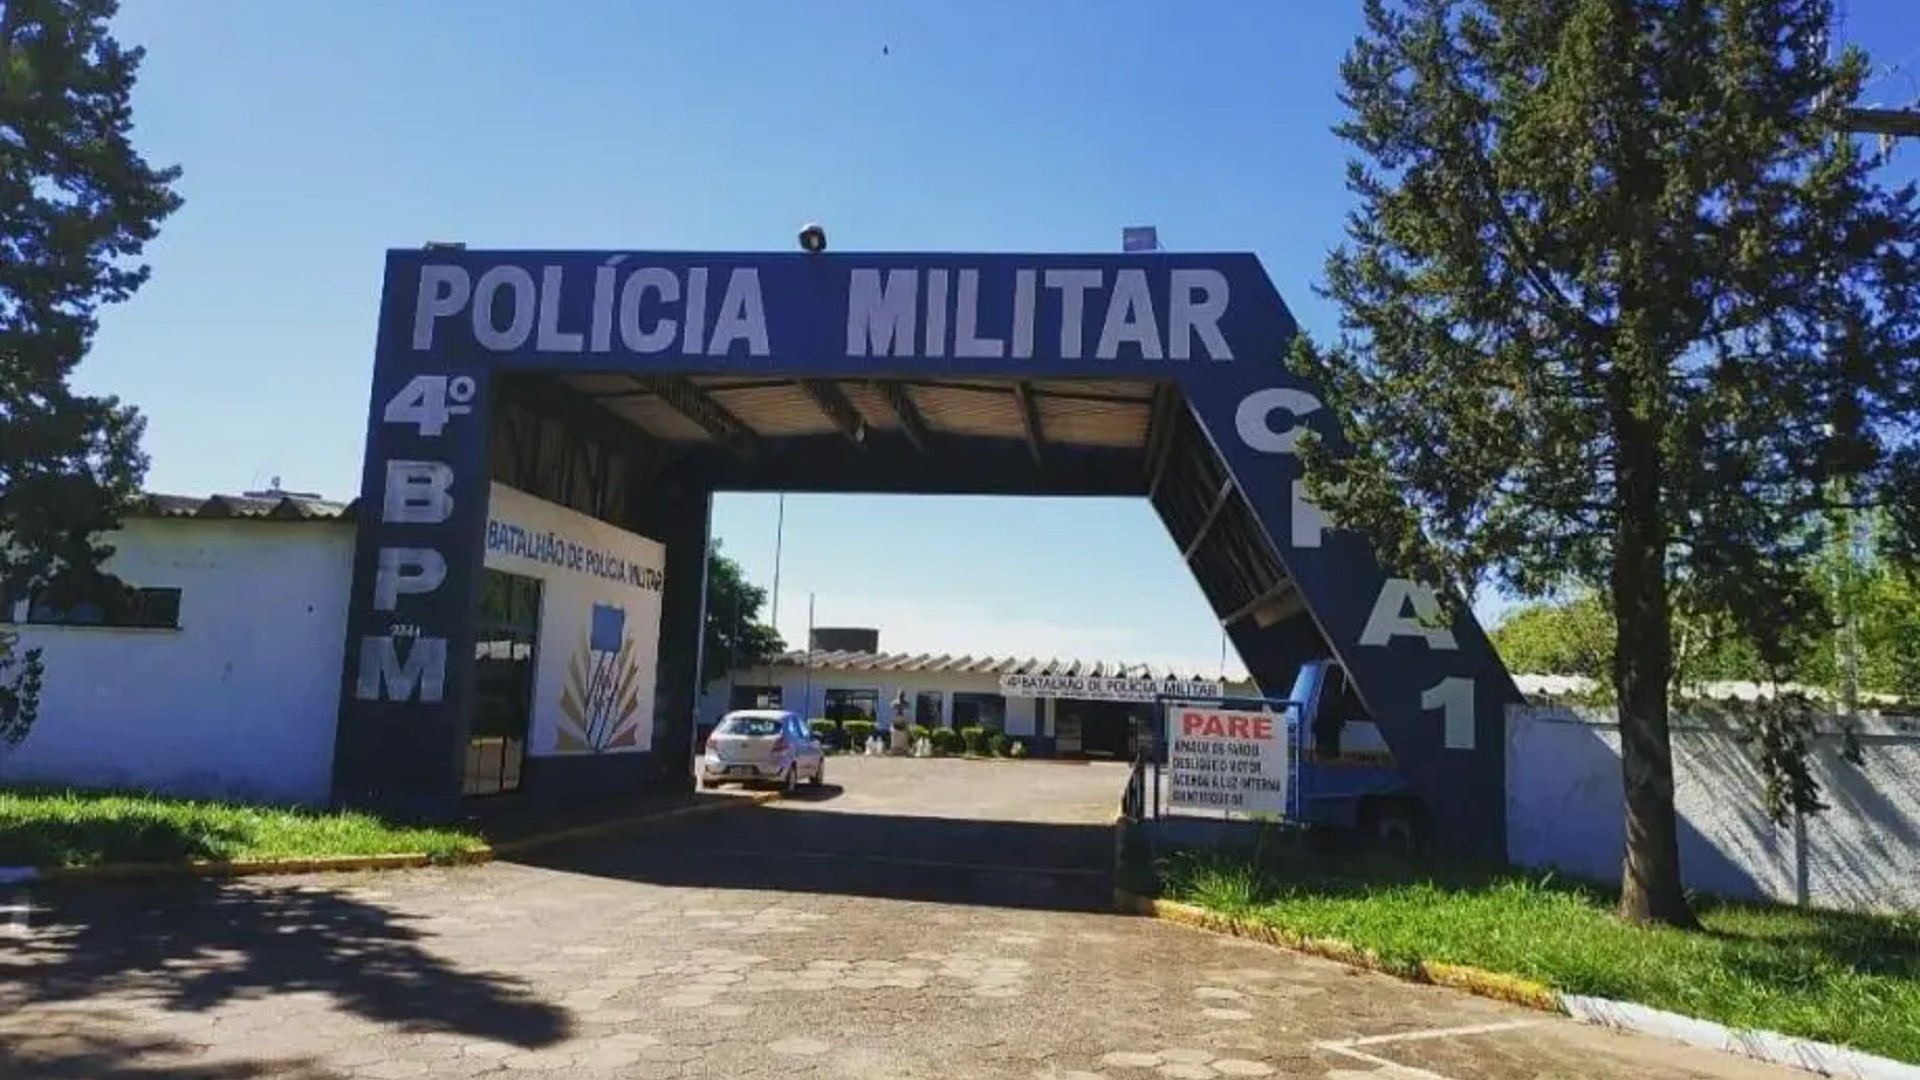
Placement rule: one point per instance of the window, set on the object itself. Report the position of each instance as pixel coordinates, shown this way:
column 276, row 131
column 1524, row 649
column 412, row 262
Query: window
column 843, row 705
column 754, row 697
column 980, row 710
column 507, row 629
column 753, row 726
column 926, row 709
column 138, row 609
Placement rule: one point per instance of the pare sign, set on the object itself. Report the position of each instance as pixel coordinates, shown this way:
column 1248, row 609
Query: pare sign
column 1226, row 761
column 1209, row 724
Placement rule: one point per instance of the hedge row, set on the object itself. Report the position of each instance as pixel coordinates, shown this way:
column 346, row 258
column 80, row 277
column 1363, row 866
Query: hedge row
column 977, row 741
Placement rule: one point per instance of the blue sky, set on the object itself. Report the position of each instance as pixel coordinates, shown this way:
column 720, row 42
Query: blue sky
column 316, row 136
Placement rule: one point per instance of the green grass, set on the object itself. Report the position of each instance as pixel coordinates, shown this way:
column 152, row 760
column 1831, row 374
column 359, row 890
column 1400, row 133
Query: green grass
column 1835, row 977
column 46, row 829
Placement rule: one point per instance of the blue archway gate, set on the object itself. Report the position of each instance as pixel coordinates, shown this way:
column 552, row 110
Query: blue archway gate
column 468, row 337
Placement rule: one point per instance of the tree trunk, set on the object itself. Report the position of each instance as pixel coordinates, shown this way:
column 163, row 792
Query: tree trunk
column 1650, row 888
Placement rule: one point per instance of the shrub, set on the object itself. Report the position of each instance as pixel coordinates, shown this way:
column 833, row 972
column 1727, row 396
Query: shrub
column 825, row 731
column 997, row 744
column 857, row 732
column 1016, row 749
column 918, row 732
column 975, row 739
column 946, row 741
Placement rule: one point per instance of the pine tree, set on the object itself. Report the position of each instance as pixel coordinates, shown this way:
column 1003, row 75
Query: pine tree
column 1622, row 306
column 77, row 206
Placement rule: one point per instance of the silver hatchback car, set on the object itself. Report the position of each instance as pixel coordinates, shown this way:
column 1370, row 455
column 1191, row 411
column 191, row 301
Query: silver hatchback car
column 761, row 745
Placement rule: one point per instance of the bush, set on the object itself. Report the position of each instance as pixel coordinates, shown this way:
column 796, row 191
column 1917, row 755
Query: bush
column 1016, row 749
column 826, row 732
column 997, row 744
column 946, row 741
column 975, row 739
column 857, row 732
column 919, row 732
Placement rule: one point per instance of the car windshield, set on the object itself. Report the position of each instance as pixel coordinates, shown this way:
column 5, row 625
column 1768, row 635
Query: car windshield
column 751, row 725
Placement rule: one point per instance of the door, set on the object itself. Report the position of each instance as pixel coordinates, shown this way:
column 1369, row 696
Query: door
column 504, row 665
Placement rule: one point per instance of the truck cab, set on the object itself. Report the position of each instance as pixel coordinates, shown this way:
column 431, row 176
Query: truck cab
column 1348, row 780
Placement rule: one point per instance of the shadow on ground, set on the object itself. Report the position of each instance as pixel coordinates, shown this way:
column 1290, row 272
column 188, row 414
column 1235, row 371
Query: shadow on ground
column 194, row 945
column 1055, row 866
column 88, row 1056
column 129, row 836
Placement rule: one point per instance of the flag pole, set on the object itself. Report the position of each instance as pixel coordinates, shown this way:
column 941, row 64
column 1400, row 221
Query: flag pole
column 806, row 695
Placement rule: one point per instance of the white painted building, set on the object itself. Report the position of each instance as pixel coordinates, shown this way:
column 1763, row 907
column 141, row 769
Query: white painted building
column 1061, row 708
column 224, row 678
column 225, row 681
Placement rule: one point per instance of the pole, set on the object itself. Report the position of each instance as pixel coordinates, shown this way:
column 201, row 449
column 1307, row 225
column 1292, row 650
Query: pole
column 806, row 695
column 779, row 532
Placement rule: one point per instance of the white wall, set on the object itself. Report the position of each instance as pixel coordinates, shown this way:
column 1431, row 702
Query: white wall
column 1564, row 809
column 793, row 682
column 239, row 702
column 593, row 691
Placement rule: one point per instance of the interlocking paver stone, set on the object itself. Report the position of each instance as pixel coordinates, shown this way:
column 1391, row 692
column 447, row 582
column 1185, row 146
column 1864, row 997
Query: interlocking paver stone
column 610, row 960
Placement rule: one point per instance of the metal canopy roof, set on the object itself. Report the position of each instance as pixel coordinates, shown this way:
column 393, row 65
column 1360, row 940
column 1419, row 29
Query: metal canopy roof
column 917, row 435
column 948, row 663
column 738, row 411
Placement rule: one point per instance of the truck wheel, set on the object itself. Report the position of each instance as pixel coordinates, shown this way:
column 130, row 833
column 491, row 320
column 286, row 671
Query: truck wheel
column 1396, row 825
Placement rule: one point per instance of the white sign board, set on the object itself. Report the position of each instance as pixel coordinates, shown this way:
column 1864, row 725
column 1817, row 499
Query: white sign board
column 599, row 622
column 1088, row 688
column 1231, row 761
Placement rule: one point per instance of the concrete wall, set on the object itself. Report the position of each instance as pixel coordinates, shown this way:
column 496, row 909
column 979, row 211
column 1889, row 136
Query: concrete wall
column 239, row 702
column 599, row 633
column 1564, row 810
column 1024, row 720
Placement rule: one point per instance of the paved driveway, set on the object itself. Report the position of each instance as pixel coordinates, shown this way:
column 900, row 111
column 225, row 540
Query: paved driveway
column 813, row 939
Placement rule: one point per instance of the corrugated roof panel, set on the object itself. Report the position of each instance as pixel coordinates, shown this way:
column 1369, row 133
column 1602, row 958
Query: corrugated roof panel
column 969, row 411
column 657, row 418
column 1080, row 422
column 1105, row 388
column 970, row 664
column 871, row 404
column 598, row 383
column 252, row 507
column 777, row 410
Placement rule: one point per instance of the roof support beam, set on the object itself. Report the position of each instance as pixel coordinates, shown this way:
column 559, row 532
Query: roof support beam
column 835, row 407
column 691, row 402
column 1206, row 526
column 1161, row 419
column 911, row 423
column 1282, row 601
column 1030, row 422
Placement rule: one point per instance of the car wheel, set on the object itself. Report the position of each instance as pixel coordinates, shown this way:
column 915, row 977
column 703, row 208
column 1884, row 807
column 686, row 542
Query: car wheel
column 709, row 784
column 819, row 773
column 790, row 780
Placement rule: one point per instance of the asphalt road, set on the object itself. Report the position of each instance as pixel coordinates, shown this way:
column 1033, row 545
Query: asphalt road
column 889, row 929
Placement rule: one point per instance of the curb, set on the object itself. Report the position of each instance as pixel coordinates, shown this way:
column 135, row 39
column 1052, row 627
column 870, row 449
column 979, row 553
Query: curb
column 1795, row 1053
column 212, row 868
column 1507, row 988
column 606, row 828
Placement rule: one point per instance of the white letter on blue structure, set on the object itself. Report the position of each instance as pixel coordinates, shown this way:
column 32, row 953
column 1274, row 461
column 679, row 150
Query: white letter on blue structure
column 443, row 291
column 1389, row 618
column 384, row 677
column 882, row 319
column 404, row 571
column 418, row 493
